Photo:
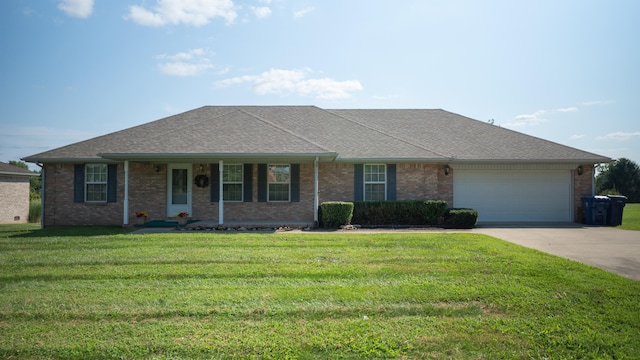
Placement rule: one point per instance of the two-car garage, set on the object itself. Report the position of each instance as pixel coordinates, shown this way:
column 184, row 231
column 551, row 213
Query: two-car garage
column 515, row 195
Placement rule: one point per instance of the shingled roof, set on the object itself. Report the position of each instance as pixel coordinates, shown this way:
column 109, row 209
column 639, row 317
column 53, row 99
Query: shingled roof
column 250, row 132
column 8, row 169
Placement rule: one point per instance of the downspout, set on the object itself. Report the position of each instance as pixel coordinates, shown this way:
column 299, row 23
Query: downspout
column 41, row 195
column 125, row 212
column 220, row 192
column 593, row 180
column 315, row 192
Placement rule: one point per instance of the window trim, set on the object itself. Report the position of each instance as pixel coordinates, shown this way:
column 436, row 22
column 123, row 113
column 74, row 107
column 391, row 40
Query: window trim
column 365, row 182
column 240, row 182
column 270, row 182
column 105, row 183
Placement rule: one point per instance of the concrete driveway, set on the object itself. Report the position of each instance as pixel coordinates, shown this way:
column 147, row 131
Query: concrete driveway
column 608, row 248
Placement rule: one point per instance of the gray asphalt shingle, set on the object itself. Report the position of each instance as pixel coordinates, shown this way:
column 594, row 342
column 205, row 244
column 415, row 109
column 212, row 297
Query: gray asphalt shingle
column 393, row 135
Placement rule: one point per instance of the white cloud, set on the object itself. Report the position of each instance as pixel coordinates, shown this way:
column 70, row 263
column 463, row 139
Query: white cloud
column 190, row 63
column 188, row 12
column 619, row 135
column 577, row 137
column 569, row 109
column 285, row 82
column 77, row 8
column 537, row 117
column 597, row 103
column 303, row 12
column 528, row 119
column 261, row 12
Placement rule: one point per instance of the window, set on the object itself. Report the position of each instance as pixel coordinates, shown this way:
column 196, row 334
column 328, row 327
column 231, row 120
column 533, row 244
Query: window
column 232, row 182
column 278, row 182
column 374, row 182
column 96, row 182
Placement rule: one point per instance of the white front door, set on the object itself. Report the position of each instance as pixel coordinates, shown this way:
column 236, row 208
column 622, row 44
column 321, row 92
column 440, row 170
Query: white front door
column 178, row 189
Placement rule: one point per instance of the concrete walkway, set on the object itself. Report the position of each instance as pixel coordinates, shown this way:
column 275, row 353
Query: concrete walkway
column 608, row 248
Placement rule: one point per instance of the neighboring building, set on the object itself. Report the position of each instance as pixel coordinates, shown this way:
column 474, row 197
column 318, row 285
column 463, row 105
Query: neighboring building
column 14, row 194
column 277, row 163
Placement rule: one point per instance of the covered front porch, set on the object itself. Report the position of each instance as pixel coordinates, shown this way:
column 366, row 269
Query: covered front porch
column 163, row 190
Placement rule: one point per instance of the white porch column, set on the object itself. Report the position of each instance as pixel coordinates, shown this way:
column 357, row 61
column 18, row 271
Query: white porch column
column 125, row 211
column 315, row 192
column 221, row 200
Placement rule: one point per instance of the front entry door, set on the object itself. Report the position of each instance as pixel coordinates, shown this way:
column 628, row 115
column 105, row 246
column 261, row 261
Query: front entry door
column 178, row 189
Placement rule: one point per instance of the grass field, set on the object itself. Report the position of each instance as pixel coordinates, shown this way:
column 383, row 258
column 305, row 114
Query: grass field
column 95, row 293
column 631, row 217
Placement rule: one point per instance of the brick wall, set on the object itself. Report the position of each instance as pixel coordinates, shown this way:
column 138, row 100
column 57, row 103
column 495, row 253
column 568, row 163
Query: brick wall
column 60, row 209
column 413, row 182
column 14, row 199
column 422, row 182
column 301, row 211
column 581, row 187
column 148, row 192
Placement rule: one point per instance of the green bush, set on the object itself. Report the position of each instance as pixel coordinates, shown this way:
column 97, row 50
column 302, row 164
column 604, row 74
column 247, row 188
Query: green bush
column 404, row 212
column 336, row 213
column 609, row 192
column 460, row 219
column 35, row 211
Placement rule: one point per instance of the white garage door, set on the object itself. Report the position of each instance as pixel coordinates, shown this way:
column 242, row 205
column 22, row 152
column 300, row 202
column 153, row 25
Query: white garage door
column 514, row 195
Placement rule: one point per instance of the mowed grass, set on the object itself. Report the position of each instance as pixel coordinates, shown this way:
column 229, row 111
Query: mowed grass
column 631, row 217
column 305, row 295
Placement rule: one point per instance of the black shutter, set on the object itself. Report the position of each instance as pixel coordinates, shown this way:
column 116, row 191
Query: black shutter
column 78, row 183
column 358, row 182
column 262, row 182
column 112, row 182
column 391, row 182
column 295, row 182
column 248, row 183
column 215, row 183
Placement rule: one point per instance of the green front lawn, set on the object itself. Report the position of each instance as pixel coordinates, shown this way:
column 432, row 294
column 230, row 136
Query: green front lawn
column 305, row 295
column 631, row 217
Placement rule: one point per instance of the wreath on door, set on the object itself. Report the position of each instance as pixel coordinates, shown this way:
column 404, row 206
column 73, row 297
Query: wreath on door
column 201, row 181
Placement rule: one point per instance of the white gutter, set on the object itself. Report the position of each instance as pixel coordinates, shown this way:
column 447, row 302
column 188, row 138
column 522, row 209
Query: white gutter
column 315, row 192
column 220, row 192
column 125, row 211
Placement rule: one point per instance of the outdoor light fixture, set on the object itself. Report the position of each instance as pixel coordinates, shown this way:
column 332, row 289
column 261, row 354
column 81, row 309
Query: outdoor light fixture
column 447, row 169
column 201, row 167
column 580, row 170
column 157, row 168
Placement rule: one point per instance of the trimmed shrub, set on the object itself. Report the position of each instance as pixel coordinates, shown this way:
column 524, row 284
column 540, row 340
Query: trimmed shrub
column 460, row 219
column 405, row 212
column 336, row 213
column 434, row 211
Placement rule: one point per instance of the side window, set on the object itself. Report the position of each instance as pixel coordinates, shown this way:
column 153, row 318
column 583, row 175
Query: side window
column 278, row 182
column 232, row 179
column 375, row 182
column 95, row 180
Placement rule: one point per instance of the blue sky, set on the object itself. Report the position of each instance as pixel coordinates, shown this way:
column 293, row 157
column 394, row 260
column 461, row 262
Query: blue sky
column 566, row 71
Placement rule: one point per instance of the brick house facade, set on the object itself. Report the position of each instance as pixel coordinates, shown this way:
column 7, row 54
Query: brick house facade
column 14, row 194
column 14, row 199
column 148, row 187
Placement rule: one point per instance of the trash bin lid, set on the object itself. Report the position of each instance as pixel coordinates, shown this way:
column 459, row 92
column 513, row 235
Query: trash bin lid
column 617, row 197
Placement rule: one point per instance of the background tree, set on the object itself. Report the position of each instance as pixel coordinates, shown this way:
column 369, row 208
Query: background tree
column 622, row 177
column 35, row 183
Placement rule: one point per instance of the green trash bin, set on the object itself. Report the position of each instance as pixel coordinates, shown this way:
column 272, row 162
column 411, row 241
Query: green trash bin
column 616, row 207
